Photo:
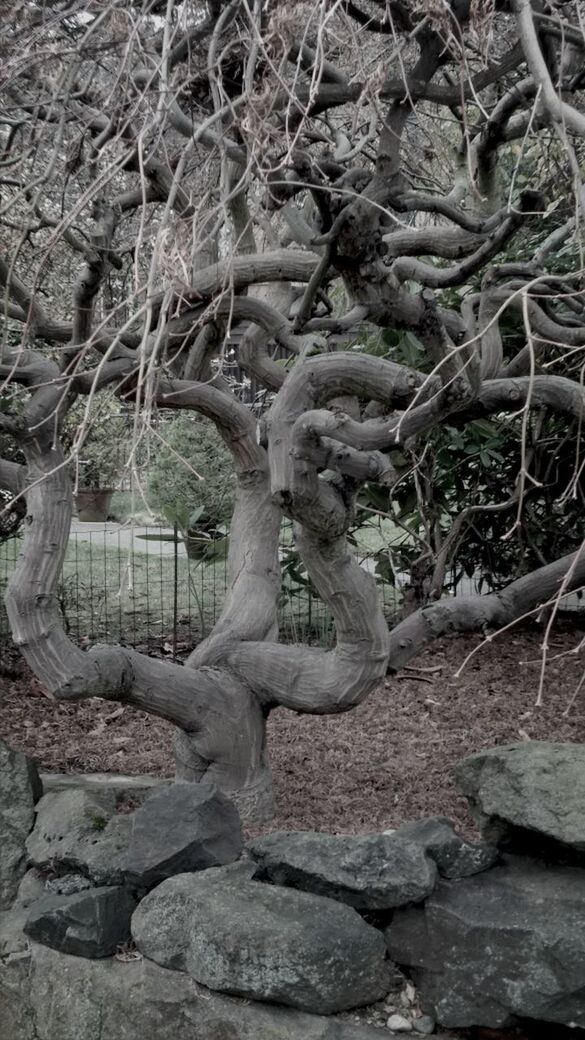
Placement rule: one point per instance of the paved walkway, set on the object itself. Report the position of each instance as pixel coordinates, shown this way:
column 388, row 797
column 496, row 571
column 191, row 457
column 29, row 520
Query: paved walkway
column 126, row 537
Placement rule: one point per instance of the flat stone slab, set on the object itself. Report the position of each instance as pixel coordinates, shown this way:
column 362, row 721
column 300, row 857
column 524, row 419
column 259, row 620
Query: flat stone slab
column 118, row 783
column 90, row 923
column 524, row 792
column 263, row 942
column 20, row 788
column 369, row 872
column 508, row 943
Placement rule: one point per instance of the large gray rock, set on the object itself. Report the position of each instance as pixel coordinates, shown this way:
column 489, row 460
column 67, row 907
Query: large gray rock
column 528, row 792
column 455, row 857
column 370, row 872
column 20, row 788
column 45, row 995
column 180, row 828
column 80, row 832
column 506, row 943
column 263, row 942
column 91, row 923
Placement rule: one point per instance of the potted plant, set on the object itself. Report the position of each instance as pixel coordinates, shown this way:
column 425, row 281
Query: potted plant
column 95, row 473
column 93, row 499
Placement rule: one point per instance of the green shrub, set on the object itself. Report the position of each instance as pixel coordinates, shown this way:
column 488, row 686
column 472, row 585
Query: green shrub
column 176, row 491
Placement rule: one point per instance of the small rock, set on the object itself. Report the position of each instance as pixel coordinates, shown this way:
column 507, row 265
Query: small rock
column 368, row 872
column 424, row 1025
column 410, row 993
column 399, row 1024
column 91, row 924
column 181, row 828
column 67, row 885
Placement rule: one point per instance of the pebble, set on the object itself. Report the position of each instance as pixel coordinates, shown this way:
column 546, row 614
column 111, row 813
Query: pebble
column 68, row 885
column 399, row 1024
column 425, row 1025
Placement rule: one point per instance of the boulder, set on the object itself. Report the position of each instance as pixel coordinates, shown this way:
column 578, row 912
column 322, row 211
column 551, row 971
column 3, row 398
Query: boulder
column 180, row 828
column 508, row 943
column 455, row 857
column 262, row 942
column 46, row 995
column 369, row 872
column 79, row 832
column 528, row 794
column 90, row 923
column 20, row 788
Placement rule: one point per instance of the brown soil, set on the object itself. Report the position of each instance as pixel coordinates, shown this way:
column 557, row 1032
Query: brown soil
column 389, row 760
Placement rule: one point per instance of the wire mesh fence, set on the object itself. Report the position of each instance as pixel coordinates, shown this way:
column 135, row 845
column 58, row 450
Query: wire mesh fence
column 137, row 585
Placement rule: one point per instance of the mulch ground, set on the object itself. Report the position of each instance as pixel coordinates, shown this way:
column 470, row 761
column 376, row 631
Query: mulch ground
column 389, row 760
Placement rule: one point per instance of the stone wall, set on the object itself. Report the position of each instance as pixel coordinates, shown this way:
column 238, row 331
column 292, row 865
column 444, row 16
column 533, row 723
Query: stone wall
column 160, row 921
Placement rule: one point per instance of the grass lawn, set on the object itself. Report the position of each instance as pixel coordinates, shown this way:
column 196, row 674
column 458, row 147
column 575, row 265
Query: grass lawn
column 111, row 594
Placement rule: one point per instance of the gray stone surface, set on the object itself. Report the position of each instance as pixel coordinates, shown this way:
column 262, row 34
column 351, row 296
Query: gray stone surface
column 369, row 872
column 79, row 832
column 13, row 941
column 180, row 827
column 20, row 788
column 534, row 788
column 263, row 942
column 184, row 827
column 455, row 857
column 31, row 887
column 45, row 995
column 91, row 923
column 104, row 783
column 67, row 885
column 505, row 944
column 425, row 1025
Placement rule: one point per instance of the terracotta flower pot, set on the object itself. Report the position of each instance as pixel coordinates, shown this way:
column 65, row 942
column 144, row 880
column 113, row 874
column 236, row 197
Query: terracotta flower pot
column 93, row 504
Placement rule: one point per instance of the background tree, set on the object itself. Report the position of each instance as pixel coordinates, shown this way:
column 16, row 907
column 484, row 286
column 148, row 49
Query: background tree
column 170, row 168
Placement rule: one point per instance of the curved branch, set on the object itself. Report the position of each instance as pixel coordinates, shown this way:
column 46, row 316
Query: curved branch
column 558, row 110
column 442, row 277
column 316, row 681
column 314, row 382
column 477, row 613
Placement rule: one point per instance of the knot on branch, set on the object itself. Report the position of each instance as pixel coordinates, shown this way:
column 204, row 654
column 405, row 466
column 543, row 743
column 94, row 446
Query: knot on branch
column 106, row 672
